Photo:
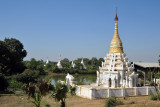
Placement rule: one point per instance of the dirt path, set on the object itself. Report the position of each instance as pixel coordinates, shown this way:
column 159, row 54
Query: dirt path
column 74, row 101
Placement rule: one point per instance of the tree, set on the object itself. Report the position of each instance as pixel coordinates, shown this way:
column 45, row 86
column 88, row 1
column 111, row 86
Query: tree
column 28, row 76
column 60, row 93
column 3, row 82
column 35, row 65
column 94, row 61
column 66, row 60
column 11, row 56
column 66, row 63
column 100, row 61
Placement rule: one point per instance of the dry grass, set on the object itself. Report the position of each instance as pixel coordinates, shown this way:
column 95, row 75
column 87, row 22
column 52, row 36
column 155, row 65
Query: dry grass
column 74, row 101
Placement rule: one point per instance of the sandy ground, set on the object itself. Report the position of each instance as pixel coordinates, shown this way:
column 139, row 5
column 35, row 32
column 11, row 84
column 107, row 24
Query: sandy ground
column 10, row 100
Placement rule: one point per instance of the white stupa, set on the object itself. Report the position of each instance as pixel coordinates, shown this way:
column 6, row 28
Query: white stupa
column 116, row 70
column 59, row 65
column 73, row 64
column 46, row 62
column 116, row 77
column 70, row 80
column 82, row 62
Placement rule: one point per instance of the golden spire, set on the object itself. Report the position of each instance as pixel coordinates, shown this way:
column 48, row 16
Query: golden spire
column 116, row 44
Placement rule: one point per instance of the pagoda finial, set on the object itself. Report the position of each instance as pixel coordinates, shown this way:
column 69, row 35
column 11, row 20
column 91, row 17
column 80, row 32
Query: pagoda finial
column 116, row 18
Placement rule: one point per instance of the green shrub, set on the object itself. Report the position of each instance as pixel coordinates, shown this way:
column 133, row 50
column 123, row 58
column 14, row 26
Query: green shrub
column 111, row 102
column 72, row 90
column 47, row 105
column 153, row 97
column 119, row 102
column 132, row 102
column 15, row 84
column 28, row 76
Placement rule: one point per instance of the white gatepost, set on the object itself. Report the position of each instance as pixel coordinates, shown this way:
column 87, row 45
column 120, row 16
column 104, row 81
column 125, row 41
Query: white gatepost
column 136, row 92
column 109, row 92
column 147, row 91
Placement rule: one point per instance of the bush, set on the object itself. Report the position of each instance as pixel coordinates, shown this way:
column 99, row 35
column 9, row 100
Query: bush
column 132, row 102
column 47, row 105
column 119, row 102
column 111, row 102
column 15, row 84
column 28, row 76
column 3, row 83
column 153, row 97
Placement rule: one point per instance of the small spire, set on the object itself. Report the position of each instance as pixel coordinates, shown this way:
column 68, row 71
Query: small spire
column 60, row 58
column 116, row 18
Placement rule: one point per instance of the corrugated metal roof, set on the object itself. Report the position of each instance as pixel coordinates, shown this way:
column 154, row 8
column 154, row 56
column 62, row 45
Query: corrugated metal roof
column 147, row 64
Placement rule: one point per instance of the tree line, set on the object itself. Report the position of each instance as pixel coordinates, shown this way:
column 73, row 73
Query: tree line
column 15, row 72
column 40, row 66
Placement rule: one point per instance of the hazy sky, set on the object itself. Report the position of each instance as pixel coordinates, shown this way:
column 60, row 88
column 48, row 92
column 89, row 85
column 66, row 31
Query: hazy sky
column 82, row 28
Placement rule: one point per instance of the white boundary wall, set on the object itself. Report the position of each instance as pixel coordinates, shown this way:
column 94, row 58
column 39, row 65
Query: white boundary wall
column 94, row 93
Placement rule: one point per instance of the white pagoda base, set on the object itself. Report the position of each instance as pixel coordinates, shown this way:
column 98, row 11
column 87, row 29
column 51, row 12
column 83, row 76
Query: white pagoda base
column 94, row 92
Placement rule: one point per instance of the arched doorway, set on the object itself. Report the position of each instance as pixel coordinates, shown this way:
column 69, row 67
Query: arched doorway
column 109, row 82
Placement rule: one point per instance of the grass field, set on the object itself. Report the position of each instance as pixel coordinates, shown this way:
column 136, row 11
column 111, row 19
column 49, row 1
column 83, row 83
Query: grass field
column 20, row 100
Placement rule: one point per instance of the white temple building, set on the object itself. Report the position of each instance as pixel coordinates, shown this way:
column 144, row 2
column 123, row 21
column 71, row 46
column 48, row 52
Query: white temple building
column 116, row 76
column 46, row 62
column 59, row 65
column 73, row 64
column 82, row 62
column 70, row 80
column 116, row 70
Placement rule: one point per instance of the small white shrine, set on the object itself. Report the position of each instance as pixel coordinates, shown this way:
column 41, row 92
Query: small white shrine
column 69, row 80
column 59, row 65
column 46, row 62
column 82, row 62
column 116, row 77
column 73, row 64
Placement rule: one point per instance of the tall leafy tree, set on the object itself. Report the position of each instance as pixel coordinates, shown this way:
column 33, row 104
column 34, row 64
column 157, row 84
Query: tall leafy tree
column 11, row 56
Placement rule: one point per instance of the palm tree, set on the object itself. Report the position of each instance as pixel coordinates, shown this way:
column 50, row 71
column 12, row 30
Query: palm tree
column 60, row 93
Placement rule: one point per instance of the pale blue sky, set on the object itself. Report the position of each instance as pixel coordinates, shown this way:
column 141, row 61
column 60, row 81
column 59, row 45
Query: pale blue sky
column 82, row 28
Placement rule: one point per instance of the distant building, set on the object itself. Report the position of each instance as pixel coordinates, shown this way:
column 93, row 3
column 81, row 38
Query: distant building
column 59, row 65
column 73, row 64
column 46, row 62
column 82, row 62
column 147, row 67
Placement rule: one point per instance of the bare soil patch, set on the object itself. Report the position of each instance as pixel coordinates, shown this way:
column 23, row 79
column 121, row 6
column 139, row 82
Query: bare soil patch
column 12, row 100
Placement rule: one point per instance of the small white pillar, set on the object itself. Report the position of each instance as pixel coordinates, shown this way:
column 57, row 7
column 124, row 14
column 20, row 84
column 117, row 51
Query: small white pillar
column 147, row 91
column 130, row 82
column 136, row 92
column 109, row 93
column 123, row 92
